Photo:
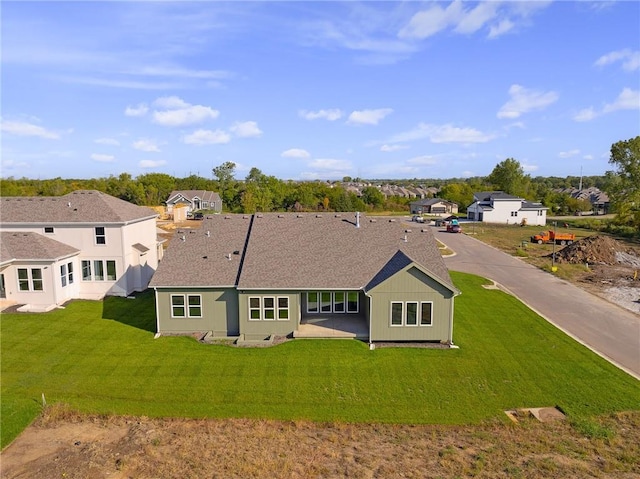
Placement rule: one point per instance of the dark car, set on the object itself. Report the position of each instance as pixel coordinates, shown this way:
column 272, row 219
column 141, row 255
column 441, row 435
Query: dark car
column 198, row 216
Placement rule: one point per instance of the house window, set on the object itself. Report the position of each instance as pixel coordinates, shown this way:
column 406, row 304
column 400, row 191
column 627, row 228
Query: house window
column 177, row 306
column 397, row 310
column 412, row 314
column 328, row 302
column 426, row 317
column 186, row 306
column 352, row 302
column 48, row 230
column 269, row 308
column 98, row 270
column 101, row 237
column 63, row 274
column 255, row 309
column 338, row 302
column 86, row 270
column 514, row 213
column 312, row 302
column 70, row 272
column 30, row 279
column 325, row 302
column 195, row 305
column 283, row 308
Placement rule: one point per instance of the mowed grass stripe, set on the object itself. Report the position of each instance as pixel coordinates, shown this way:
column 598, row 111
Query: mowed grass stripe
column 101, row 357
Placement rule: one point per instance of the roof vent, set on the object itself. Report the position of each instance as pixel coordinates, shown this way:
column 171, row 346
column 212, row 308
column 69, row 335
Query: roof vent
column 208, row 233
column 405, row 238
column 318, row 216
column 69, row 204
column 337, row 216
column 245, row 217
column 236, row 252
column 372, row 220
column 229, row 257
column 259, row 216
column 392, row 220
column 357, row 219
column 227, row 217
column 183, row 238
column 299, row 216
column 407, row 231
column 280, row 216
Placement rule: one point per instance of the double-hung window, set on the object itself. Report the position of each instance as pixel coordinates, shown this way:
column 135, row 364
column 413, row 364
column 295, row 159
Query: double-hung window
column 101, row 236
column 86, row 270
column 30, row 279
column 268, row 308
column 66, row 274
column 186, row 306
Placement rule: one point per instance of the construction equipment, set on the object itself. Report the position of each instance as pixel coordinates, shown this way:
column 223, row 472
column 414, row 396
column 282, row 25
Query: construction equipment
column 551, row 237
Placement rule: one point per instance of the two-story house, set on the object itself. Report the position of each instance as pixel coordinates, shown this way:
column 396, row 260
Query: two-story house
column 499, row 207
column 83, row 245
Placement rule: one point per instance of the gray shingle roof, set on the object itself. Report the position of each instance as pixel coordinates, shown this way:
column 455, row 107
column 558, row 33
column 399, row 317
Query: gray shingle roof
column 32, row 246
column 204, row 195
column 82, row 206
column 296, row 251
column 201, row 260
column 494, row 196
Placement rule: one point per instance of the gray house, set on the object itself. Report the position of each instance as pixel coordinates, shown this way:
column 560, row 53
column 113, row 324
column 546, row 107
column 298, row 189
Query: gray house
column 254, row 276
column 433, row 206
column 194, row 200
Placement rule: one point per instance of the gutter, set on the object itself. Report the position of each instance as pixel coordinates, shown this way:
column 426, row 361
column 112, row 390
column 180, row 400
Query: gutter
column 371, row 345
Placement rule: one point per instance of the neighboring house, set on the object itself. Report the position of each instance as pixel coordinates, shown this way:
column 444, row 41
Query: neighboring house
column 599, row 199
column 499, row 207
column 194, row 200
column 83, row 245
column 433, row 206
column 254, row 276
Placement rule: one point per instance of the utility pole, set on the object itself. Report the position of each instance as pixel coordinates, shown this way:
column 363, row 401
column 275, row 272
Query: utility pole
column 553, row 254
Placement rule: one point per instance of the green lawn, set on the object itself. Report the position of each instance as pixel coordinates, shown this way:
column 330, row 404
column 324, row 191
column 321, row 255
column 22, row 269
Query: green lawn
column 100, row 357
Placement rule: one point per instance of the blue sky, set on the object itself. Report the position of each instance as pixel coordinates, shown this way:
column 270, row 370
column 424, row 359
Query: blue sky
column 316, row 90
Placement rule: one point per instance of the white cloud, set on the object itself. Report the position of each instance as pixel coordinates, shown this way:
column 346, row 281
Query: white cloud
column 443, row 134
column 247, row 129
column 529, row 168
column 588, row 157
column 568, row 154
column 468, row 174
column 627, row 100
column 103, row 158
column 295, row 153
column 107, row 141
column 207, row 137
column 331, row 114
column 151, row 163
column 390, row 148
column 145, row 144
column 524, row 100
column 139, row 110
column 20, row 128
column 586, row 114
column 176, row 112
column 170, row 103
column 368, row 117
column 330, row 164
column 630, row 59
column 497, row 17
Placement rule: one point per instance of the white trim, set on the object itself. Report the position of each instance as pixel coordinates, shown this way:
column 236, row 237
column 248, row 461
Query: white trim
column 199, row 305
column 406, row 314
column 431, row 315
column 273, row 309
column 391, row 303
column 259, row 308
column 287, row 309
column 185, row 305
column 357, row 293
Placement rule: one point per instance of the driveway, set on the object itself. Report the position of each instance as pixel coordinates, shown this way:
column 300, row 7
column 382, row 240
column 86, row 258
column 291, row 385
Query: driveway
column 607, row 329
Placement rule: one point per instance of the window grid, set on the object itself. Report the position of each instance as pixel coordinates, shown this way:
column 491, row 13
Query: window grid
column 268, row 308
column 30, row 279
column 411, row 313
column 101, row 237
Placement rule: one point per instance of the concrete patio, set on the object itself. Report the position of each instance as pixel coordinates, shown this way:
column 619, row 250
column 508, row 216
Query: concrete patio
column 333, row 326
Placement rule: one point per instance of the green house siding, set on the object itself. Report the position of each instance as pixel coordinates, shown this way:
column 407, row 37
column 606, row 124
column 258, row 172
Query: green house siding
column 219, row 311
column 258, row 329
column 410, row 285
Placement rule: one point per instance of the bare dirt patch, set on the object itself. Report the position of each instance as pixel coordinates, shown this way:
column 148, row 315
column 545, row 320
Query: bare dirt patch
column 125, row 447
column 612, row 269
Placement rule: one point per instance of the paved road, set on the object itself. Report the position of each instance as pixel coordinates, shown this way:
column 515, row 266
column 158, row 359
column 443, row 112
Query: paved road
column 609, row 330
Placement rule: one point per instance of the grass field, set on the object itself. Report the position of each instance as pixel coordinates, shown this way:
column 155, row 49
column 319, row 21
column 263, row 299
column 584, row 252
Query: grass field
column 100, row 357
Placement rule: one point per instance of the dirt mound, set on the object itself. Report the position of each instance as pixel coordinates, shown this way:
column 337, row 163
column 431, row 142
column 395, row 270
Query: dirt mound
column 595, row 249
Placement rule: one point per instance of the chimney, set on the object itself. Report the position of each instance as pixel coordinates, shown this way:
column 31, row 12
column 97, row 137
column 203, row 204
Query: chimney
column 357, row 219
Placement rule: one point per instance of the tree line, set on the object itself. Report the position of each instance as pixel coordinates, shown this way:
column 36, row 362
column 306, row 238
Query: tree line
column 263, row 193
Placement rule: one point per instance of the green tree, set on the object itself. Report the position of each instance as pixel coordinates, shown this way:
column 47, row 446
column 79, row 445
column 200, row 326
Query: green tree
column 625, row 192
column 373, row 196
column 459, row 193
column 227, row 185
column 508, row 176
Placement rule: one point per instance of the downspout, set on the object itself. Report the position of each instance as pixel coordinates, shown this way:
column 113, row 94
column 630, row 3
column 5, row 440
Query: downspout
column 451, row 345
column 157, row 335
column 371, row 345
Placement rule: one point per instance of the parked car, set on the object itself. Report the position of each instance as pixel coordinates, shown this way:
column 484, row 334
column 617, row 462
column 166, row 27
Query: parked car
column 417, row 219
column 454, row 229
column 198, row 216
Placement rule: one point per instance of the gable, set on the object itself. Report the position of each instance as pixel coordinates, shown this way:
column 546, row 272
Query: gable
column 411, row 279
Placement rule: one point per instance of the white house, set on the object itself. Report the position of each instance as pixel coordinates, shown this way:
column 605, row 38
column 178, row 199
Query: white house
column 84, row 245
column 499, row 207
